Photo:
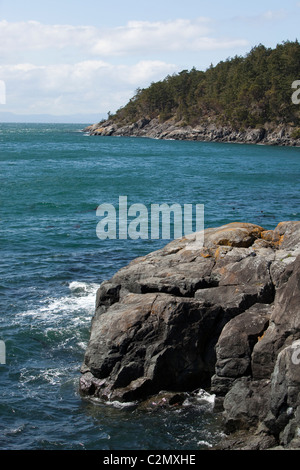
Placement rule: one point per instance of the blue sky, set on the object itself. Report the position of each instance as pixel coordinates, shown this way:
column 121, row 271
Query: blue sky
column 65, row 57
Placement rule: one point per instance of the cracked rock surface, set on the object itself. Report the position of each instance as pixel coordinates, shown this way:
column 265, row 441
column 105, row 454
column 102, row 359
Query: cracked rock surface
column 223, row 316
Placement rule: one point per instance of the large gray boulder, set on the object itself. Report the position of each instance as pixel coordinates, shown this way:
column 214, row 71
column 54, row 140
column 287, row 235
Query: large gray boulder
column 223, row 316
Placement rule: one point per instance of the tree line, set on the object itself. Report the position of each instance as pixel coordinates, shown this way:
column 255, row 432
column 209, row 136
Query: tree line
column 243, row 91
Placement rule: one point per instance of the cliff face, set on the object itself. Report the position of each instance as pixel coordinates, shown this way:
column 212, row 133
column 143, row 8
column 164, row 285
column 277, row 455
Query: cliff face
column 224, row 317
column 208, row 132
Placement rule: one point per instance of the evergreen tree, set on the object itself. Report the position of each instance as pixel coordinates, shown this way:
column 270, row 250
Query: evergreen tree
column 240, row 91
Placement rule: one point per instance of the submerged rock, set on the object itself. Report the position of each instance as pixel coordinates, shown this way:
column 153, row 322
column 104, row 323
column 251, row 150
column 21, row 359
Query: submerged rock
column 222, row 317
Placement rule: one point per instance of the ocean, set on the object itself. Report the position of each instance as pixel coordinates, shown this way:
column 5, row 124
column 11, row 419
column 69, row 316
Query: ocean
column 52, row 179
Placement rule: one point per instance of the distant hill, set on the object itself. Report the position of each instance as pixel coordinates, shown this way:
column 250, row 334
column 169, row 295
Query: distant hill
column 241, row 92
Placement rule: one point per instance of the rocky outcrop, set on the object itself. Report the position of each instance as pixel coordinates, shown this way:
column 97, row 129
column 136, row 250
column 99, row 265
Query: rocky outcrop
column 209, row 132
column 223, row 317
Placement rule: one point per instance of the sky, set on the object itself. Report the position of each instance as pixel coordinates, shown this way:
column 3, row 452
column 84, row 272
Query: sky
column 67, row 57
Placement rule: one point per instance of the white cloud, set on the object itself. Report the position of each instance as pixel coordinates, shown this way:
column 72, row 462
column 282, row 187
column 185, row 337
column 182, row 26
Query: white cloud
column 88, row 86
column 267, row 16
column 172, row 36
column 271, row 15
column 32, row 35
column 144, row 36
column 62, row 69
column 136, row 37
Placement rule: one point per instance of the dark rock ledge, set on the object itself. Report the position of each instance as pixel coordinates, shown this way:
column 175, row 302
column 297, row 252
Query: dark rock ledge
column 269, row 134
column 224, row 318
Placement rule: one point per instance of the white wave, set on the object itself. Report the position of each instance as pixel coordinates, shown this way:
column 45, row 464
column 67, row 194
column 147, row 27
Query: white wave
column 82, row 345
column 206, row 397
column 204, row 443
column 40, row 376
column 80, row 301
column 83, row 287
column 200, row 399
column 14, row 431
column 121, row 405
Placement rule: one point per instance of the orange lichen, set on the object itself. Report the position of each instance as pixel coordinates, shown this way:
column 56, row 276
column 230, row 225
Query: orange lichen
column 205, row 253
column 269, row 236
column 261, row 337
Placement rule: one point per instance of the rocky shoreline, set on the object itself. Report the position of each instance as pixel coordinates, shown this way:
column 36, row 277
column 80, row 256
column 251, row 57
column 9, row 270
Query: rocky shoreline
column 209, row 132
column 224, row 317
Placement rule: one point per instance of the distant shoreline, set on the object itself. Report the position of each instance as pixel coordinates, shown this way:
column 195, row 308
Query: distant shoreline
column 280, row 135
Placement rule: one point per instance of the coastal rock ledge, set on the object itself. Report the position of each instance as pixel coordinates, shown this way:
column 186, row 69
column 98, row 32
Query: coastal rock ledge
column 224, row 317
column 269, row 134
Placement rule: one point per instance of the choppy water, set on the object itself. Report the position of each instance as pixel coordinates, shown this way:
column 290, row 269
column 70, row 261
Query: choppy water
column 52, row 179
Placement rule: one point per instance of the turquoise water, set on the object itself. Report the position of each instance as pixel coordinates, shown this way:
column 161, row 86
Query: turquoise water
column 52, row 179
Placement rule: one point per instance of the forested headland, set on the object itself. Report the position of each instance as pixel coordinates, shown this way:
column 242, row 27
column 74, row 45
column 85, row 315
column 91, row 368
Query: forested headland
column 253, row 98
column 243, row 91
